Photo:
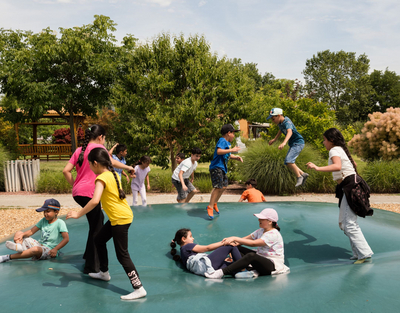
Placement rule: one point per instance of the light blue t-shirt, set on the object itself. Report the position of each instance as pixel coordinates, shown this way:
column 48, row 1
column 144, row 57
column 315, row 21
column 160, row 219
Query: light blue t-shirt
column 123, row 161
column 221, row 161
column 51, row 233
column 296, row 138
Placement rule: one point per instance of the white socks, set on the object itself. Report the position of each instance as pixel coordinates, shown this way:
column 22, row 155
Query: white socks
column 14, row 246
column 101, row 275
column 216, row 275
column 4, row 258
column 138, row 293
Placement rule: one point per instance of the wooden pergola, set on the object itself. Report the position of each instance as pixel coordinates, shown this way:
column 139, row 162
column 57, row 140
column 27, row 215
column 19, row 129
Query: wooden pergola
column 36, row 150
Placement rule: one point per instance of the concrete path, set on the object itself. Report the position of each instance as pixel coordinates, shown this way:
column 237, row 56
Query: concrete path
column 33, row 200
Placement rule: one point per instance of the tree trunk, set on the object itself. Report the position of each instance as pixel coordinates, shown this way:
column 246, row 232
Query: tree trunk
column 72, row 130
column 172, row 156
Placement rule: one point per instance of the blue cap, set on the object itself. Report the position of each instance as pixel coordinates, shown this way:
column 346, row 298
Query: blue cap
column 49, row 204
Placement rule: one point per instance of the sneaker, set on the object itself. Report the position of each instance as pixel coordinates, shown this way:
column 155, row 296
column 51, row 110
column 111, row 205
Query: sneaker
column 101, row 275
column 354, row 258
column 14, row 246
column 246, row 274
column 299, row 181
column 4, row 258
column 305, row 176
column 216, row 275
column 361, row 261
column 138, row 293
column 216, row 208
column 210, row 212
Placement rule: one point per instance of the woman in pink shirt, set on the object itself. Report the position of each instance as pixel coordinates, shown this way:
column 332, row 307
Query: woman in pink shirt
column 83, row 188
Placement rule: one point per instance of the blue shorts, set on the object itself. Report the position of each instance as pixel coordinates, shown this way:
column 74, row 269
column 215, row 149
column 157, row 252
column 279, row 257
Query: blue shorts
column 218, row 178
column 293, row 153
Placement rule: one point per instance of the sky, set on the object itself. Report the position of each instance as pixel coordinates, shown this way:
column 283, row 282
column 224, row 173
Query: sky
column 278, row 35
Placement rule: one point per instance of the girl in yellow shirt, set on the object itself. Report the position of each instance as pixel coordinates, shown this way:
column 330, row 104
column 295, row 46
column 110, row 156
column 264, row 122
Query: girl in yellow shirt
column 108, row 190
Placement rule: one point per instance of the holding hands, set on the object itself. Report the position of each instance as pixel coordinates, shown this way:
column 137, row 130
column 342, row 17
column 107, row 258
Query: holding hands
column 230, row 241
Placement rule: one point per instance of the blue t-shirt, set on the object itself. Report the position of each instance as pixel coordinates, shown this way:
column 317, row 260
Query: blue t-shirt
column 51, row 233
column 296, row 138
column 119, row 170
column 186, row 252
column 221, row 161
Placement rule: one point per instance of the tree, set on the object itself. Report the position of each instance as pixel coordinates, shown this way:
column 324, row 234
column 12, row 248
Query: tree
column 70, row 74
column 175, row 94
column 386, row 87
column 341, row 80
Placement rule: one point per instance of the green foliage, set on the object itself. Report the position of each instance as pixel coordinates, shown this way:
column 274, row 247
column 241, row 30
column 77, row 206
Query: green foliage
column 341, row 80
column 380, row 137
column 4, row 156
column 383, row 176
column 53, row 182
column 386, row 87
column 175, row 94
column 161, row 181
column 8, row 138
column 69, row 73
column 202, row 182
column 265, row 164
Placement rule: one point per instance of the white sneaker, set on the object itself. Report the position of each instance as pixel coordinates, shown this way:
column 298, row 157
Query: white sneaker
column 138, row 293
column 14, row 246
column 247, row 274
column 4, row 258
column 101, row 275
column 216, row 275
column 299, row 181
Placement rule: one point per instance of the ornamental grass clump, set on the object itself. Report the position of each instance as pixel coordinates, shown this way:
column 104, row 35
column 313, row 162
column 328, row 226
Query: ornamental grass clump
column 265, row 164
column 380, row 137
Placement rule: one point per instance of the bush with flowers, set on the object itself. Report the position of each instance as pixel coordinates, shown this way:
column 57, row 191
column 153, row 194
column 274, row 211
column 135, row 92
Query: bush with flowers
column 380, row 137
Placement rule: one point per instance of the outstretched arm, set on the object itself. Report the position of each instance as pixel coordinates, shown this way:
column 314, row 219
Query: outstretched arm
column 211, row 247
column 248, row 241
column 91, row 204
column 334, row 167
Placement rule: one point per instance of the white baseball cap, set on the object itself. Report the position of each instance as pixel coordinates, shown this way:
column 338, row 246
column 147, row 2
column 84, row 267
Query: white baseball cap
column 275, row 112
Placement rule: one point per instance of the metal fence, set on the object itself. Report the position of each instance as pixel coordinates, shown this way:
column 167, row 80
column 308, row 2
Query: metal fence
column 21, row 175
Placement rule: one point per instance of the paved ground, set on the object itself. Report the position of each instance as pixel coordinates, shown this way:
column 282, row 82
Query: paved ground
column 33, row 200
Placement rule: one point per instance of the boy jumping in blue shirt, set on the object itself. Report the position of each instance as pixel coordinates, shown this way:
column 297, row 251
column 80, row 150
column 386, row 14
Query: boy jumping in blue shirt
column 218, row 166
column 296, row 143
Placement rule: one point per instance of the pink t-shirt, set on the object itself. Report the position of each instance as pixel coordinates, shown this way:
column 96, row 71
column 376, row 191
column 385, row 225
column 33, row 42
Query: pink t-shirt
column 85, row 179
column 138, row 182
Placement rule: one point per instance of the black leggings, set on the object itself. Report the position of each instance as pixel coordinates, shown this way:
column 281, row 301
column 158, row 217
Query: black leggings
column 262, row 265
column 95, row 219
column 119, row 234
column 219, row 255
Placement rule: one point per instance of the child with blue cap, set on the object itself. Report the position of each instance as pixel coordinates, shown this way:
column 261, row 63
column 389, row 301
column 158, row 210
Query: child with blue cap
column 54, row 236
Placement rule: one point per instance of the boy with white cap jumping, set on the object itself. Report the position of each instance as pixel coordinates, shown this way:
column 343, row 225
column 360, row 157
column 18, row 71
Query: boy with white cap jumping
column 295, row 140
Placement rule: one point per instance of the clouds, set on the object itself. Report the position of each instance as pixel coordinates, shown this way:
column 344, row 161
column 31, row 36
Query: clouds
column 278, row 35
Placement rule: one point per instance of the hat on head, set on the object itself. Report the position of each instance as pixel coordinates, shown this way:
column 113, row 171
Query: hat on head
column 275, row 112
column 49, row 204
column 268, row 214
column 228, row 128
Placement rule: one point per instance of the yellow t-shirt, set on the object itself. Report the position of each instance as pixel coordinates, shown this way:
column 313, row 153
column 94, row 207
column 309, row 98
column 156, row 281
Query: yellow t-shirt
column 118, row 211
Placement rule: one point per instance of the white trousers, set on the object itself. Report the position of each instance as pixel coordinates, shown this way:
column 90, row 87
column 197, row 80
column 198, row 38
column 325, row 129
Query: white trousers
column 348, row 223
column 142, row 192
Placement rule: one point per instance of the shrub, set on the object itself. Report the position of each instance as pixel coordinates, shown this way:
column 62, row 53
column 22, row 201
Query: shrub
column 63, row 136
column 265, row 164
column 383, row 176
column 52, row 182
column 4, row 156
column 202, row 182
column 162, row 181
column 380, row 137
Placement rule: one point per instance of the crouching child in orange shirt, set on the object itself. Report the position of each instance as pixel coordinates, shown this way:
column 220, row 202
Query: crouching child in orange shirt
column 251, row 194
